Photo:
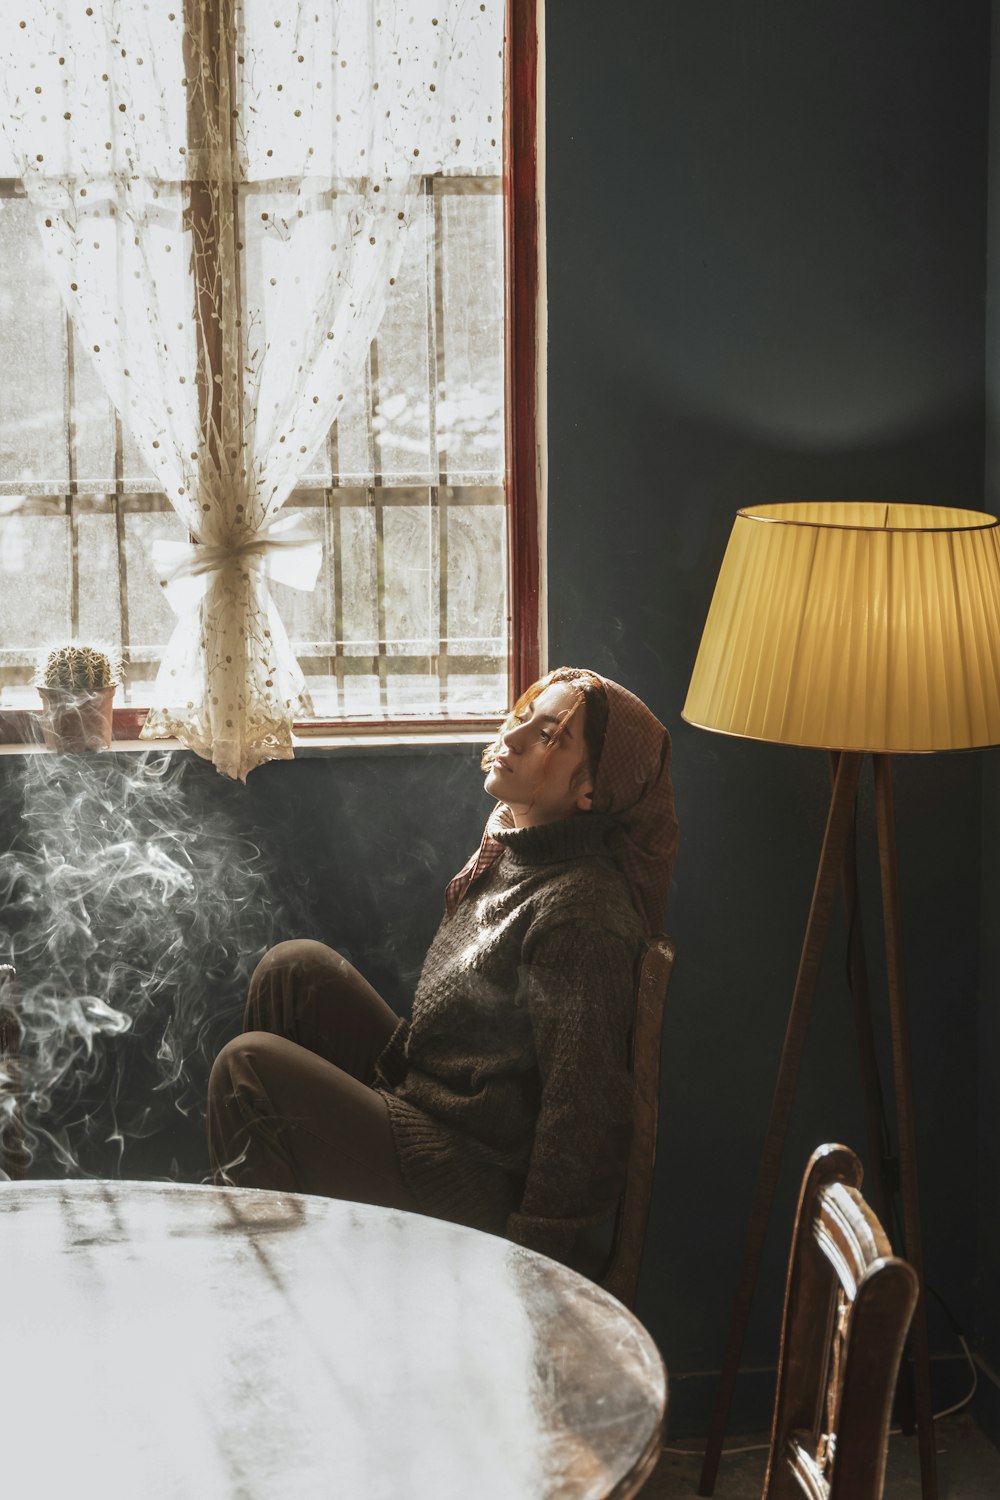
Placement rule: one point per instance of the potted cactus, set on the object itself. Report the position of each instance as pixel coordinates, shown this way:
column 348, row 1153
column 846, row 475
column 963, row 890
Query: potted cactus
column 77, row 686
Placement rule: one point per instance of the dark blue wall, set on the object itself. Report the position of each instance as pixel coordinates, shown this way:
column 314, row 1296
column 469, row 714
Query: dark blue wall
column 766, row 237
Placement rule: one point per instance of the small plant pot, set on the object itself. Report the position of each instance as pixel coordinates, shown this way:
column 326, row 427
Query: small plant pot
column 77, row 721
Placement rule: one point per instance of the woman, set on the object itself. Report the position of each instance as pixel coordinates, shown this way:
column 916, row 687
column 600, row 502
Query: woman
column 506, row 1102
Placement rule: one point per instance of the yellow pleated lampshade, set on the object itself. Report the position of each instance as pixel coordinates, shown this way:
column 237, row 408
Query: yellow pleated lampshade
column 854, row 625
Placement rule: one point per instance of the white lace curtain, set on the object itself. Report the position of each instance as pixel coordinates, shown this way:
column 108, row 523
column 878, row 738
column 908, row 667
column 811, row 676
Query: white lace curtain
column 224, row 191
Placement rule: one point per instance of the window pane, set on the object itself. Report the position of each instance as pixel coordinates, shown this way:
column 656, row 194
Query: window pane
column 151, row 621
column 480, row 692
column 353, row 437
column 360, row 584
column 307, row 613
column 33, row 435
column 476, row 572
column 411, row 580
column 361, row 695
column 470, row 392
column 34, row 582
column 93, row 424
column 134, row 466
column 417, row 694
column 97, row 557
column 402, row 415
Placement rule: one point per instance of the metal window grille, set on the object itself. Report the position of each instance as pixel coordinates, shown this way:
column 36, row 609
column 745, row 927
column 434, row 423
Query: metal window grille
column 410, row 614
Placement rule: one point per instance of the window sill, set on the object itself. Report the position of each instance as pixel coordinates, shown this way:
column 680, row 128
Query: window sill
column 20, row 734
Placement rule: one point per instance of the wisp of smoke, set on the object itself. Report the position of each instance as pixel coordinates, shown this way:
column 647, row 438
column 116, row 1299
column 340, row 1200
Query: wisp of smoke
column 133, row 917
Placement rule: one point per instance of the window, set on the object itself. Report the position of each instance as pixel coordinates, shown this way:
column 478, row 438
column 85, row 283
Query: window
column 422, row 492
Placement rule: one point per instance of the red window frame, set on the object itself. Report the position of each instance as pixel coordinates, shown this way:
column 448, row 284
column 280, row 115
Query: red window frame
column 523, row 355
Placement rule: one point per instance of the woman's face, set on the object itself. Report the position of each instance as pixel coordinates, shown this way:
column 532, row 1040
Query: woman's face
column 535, row 772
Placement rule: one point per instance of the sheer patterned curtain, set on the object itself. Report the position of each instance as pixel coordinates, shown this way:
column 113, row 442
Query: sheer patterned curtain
column 224, row 190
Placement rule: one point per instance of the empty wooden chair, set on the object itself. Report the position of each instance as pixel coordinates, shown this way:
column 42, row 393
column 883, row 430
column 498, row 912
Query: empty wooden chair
column 621, row 1271
column 848, row 1305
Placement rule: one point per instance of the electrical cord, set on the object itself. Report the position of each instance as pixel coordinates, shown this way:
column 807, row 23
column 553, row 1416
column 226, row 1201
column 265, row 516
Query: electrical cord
column 949, row 1411
column 698, row 1452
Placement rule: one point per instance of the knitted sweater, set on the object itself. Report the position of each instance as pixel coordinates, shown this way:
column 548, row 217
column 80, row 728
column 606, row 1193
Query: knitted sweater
column 509, row 1092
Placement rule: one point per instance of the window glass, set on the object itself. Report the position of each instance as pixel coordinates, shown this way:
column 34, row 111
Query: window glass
column 34, row 432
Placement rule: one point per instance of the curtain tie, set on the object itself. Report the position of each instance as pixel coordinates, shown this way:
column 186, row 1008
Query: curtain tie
column 282, row 549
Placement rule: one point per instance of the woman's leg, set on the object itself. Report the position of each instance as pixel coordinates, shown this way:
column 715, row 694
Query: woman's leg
column 306, row 992
column 288, row 1101
column 279, row 1116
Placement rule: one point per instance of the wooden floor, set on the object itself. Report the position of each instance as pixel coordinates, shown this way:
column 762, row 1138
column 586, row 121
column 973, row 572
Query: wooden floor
column 968, row 1469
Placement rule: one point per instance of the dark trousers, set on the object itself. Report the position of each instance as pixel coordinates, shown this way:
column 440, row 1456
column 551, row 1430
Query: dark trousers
column 290, row 1102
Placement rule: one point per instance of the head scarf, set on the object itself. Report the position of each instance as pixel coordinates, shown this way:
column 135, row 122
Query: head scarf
column 632, row 784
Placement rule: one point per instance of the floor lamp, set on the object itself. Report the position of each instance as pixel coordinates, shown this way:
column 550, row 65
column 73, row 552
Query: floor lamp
column 860, row 628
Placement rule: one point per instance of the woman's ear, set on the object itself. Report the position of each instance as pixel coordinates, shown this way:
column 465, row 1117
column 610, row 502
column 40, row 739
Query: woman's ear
column 585, row 795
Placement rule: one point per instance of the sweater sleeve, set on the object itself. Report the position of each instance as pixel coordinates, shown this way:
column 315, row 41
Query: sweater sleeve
column 579, row 989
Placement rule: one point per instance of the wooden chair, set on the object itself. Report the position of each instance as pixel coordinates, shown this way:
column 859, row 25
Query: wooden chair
column 621, row 1271
column 848, row 1305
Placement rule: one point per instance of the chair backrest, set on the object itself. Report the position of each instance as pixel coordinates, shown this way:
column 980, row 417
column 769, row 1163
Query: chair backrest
column 848, row 1305
column 621, row 1272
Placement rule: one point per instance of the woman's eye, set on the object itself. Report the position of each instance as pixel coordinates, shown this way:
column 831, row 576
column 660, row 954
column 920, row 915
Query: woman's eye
column 545, row 735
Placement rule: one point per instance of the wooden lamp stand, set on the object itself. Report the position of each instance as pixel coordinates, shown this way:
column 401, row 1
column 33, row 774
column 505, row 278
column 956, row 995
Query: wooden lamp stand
column 837, row 863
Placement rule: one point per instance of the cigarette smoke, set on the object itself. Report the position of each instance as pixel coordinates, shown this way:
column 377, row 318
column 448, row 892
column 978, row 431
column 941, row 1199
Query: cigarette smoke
column 134, row 916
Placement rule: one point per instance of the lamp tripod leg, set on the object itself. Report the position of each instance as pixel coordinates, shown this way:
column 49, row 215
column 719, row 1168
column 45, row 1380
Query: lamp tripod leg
column 882, row 1178
column 838, row 826
column 881, row 1188
column 903, row 1076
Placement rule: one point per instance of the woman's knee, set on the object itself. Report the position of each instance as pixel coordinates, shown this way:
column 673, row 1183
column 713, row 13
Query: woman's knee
column 243, row 1058
column 295, row 956
column 246, row 1084
column 310, row 994
column 290, row 977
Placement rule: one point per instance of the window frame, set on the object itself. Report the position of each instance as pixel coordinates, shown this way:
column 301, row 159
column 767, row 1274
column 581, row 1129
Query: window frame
column 523, row 371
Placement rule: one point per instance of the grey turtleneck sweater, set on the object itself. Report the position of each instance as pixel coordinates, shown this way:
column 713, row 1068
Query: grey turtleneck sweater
column 509, row 1091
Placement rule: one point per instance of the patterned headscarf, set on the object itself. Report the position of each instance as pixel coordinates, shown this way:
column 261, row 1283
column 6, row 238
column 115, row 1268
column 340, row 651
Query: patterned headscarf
column 632, row 784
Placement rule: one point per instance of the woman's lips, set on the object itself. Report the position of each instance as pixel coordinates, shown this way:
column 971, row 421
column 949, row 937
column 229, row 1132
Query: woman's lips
column 498, row 760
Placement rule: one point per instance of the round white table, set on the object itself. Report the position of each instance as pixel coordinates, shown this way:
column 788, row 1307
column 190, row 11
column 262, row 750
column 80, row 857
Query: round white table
column 198, row 1342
